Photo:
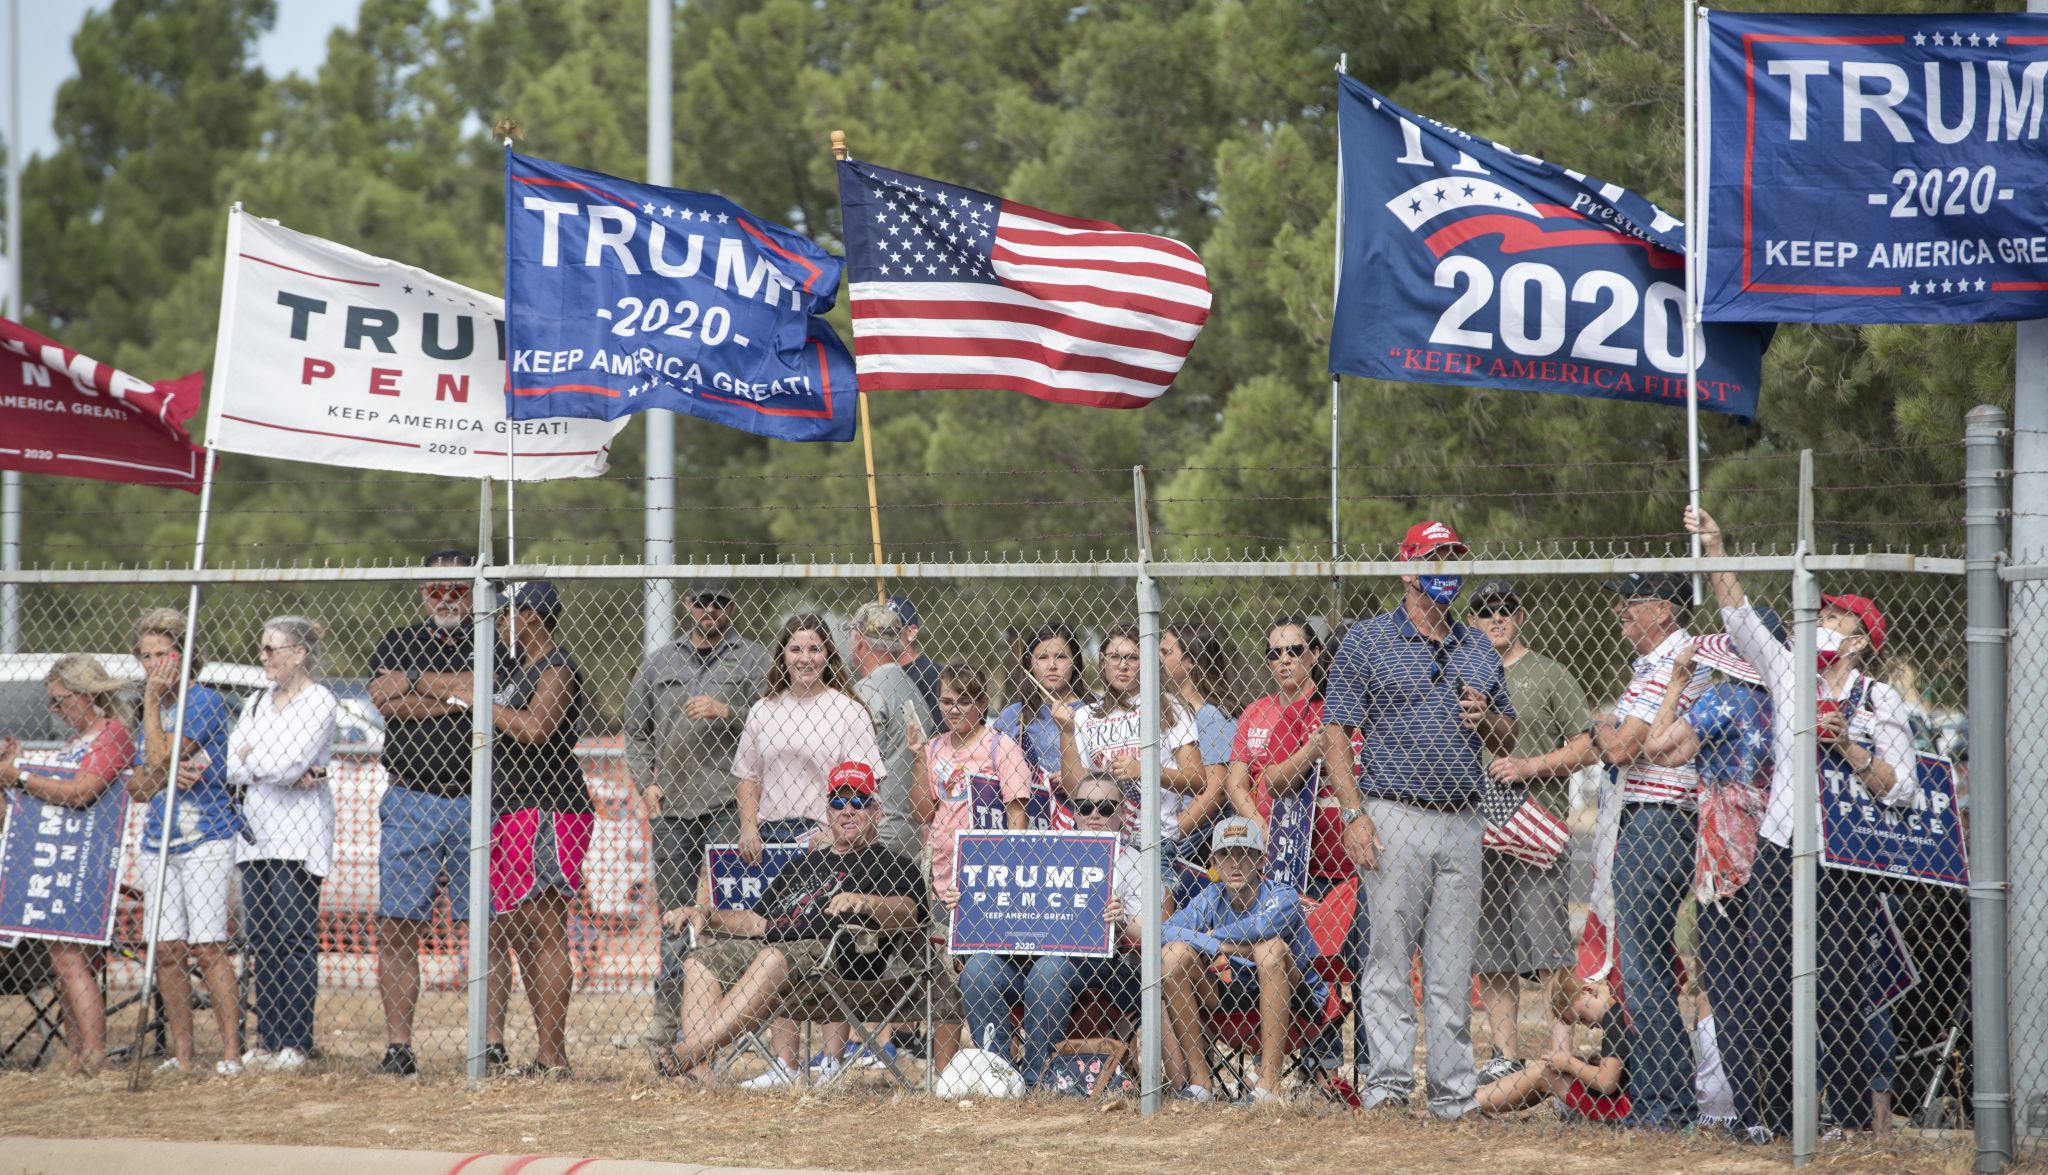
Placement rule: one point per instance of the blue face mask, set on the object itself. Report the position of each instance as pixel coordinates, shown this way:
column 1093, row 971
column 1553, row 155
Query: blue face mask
column 1441, row 588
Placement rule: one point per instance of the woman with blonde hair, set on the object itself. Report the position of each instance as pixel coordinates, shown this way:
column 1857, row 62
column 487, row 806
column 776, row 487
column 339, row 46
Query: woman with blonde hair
column 277, row 760
column 98, row 751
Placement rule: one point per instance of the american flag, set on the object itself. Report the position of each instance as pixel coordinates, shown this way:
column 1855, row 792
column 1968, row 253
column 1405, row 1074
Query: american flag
column 959, row 289
column 1520, row 827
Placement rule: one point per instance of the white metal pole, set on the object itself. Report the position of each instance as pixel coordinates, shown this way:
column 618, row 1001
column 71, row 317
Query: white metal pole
column 1336, row 288
column 10, row 481
column 483, row 649
column 1693, row 341
column 165, row 829
column 658, row 596
column 1805, row 834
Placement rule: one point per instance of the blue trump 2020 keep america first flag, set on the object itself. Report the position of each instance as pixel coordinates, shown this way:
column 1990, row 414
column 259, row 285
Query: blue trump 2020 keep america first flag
column 620, row 297
column 1465, row 262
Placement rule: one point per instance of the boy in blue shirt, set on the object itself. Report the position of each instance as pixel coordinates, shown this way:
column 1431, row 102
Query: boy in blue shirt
column 1241, row 944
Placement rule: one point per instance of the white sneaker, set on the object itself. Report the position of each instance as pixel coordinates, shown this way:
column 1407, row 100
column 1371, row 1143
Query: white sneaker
column 777, row 1076
column 167, row 1068
column 285, row 1060
column 257, row 1058
column 227, row 1067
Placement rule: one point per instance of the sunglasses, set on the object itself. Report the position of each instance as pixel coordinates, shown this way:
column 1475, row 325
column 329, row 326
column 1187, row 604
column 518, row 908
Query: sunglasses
column 1492, row 610
column 268, row 651
column 445, row 591
column 1275, row 652
column 56, row 701
column 712, row 601
column 842, row 803
column 1097, row 807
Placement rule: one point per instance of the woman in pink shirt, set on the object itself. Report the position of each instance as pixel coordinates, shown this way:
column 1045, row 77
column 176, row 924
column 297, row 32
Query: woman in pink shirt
column 971, row 776
column 803, row 726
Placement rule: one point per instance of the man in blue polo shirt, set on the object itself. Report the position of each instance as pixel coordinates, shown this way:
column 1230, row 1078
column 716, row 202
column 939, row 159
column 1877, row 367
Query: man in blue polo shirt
column 1432, row 700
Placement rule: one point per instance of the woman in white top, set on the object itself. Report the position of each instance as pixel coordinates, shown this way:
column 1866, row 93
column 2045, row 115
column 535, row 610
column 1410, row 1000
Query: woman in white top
column 1102, row 734
column 1862, row 727
column 277, row 761
column 804, row 725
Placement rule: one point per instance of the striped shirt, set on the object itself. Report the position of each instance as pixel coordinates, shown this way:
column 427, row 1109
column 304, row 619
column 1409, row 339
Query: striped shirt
column 1647, row 783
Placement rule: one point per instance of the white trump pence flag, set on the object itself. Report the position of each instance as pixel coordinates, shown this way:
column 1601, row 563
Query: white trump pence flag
column 330, row 355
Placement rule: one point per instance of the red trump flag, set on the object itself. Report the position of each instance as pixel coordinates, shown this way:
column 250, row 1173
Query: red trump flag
column 66, row 413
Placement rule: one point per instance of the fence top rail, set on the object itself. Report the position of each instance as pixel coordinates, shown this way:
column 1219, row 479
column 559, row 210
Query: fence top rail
column 1105, row 569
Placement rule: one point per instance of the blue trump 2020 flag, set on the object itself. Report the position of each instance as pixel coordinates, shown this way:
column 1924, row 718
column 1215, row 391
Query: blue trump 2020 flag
column 1874, row 168
column 620, row 297
column 1466, row 262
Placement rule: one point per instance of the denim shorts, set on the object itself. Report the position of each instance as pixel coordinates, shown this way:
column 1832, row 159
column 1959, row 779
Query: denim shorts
column 425, row 838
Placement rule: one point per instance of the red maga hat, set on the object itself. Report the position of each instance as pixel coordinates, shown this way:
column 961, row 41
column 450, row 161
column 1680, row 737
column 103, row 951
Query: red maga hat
column 1427, row 538
column 853, row 776
column 1867, row 611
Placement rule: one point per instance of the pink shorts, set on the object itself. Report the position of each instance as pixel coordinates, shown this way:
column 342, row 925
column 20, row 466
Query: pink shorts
column 532, row 850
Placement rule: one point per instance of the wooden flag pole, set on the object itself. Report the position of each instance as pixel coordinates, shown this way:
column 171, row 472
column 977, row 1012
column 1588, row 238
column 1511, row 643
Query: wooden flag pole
column 867, row 440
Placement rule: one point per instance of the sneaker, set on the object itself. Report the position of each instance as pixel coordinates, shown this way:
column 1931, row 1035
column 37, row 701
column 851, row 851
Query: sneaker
column 538, row 1071
column 167, row 1068
column 777, row 1076
column 1258, row 1097
column 1755, row 1135
column 1393, row 1101
column 398, row 1061
column 257, row 1058
column 497, row 1061
column 284, row 1060
column 1194, row 1093
column 913, row 1044
column 867, row 1059
column 227, row 1067
column 1498, row 1068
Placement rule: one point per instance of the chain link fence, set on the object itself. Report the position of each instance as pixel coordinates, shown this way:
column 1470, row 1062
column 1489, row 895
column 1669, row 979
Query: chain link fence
column 1589, row 907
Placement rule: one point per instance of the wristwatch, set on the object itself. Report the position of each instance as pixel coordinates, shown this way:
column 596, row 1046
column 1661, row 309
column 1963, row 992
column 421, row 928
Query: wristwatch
column 412, row 678
column 1347, row 815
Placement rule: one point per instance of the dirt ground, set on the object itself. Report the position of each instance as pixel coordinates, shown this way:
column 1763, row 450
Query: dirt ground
column 869, row 1129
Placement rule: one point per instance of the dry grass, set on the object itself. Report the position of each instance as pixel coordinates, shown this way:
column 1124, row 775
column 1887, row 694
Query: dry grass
column 867, row 1129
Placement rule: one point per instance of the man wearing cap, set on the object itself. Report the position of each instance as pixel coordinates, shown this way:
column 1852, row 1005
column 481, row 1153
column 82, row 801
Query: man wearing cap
column 1241, row 944
column 732, row 984
column 683, row 717
column 1524, row 919
column 922, row 669
column 421, row 679
column 1431, row 698
column 1653, row 853
column 893, row 701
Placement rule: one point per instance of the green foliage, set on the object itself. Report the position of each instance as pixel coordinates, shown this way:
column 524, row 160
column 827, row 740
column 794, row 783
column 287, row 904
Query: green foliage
column 1210, row 120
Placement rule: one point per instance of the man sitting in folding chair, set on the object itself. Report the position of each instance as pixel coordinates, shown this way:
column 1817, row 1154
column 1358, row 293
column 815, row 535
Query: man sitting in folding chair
column 817, row 913
column 1242, row 944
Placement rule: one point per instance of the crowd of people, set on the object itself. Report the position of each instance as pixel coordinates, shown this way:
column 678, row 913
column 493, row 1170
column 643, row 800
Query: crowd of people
column 1381, row 776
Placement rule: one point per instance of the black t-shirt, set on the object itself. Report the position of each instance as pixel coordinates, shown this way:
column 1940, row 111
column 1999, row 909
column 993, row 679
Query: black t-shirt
column 545, row 774
column 429, row 754
column 794, row 902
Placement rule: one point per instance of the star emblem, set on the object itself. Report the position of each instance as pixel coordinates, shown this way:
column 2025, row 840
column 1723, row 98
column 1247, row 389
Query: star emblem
column 1973, row 40
column 1913, row 288
column 1991, row 39
column 648, row 209
column 1919, row 38
column 667, row 212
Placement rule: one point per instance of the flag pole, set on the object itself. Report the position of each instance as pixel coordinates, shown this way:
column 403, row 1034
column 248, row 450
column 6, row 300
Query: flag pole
column 223, row 346
column 1692, row 285
column 1336, row 289
column 867, row 438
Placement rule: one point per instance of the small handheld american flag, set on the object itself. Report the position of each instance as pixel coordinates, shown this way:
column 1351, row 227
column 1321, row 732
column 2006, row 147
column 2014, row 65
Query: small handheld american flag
column 958, row 289
column 1520, row 827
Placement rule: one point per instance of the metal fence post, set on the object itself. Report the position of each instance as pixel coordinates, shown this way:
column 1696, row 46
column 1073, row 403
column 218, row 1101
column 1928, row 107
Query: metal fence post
column 1805, row 833
column 483, row 648
column 1151, row 1020
column 1984, row 514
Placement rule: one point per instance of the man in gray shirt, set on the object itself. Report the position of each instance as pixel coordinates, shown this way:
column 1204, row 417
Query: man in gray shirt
column 683, row 720
column 894, row 702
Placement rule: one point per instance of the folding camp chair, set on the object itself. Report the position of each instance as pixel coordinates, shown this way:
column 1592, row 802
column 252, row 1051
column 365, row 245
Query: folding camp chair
column 25, row 972
column 1235, row 1037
